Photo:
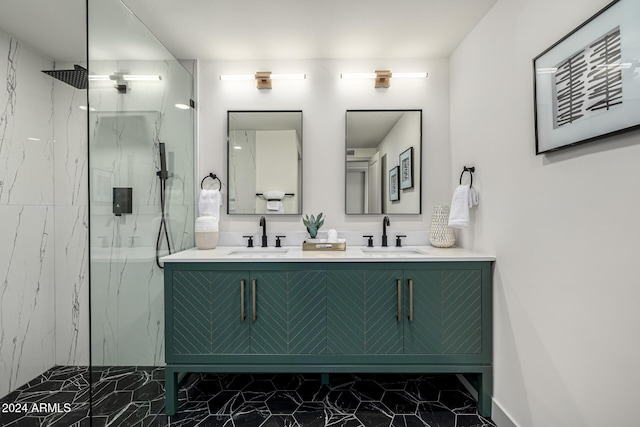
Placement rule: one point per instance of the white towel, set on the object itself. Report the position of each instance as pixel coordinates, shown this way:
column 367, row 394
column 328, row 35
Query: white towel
column 209, row 203
column 274, row 201
column 473, row 197
column 459, row 214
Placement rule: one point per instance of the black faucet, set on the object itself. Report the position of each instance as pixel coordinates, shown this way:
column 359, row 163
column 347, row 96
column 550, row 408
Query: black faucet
column 385, row 222
column 263, row 224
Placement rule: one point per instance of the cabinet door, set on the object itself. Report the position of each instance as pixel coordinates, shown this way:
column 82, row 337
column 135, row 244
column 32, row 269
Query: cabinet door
column 423, row 332
column 362, row 310
column 268, row 294
column 230, row 331
column 462, row 311
column 307, row 303
column 447, row 312
column 206, row 313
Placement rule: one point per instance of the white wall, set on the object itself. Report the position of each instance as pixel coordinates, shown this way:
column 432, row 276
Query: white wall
column 405, row 134
column 564, row 228
column 324, row 97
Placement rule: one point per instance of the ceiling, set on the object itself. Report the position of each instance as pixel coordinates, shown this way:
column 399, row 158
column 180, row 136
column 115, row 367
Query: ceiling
column 367, row 129
column 254, row 29
column 54, row 28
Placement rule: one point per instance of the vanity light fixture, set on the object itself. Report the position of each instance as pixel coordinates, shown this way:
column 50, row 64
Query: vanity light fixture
column 263, row 78
column 383, row 77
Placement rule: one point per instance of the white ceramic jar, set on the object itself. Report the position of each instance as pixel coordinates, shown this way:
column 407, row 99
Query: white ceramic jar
column 206, row 229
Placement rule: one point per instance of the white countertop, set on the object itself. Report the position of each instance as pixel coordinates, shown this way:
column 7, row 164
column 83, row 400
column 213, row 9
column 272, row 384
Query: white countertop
column 351, row 254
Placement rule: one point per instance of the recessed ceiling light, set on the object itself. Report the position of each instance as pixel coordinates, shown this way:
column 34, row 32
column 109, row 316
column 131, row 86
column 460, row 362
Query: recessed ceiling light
column 33, row 139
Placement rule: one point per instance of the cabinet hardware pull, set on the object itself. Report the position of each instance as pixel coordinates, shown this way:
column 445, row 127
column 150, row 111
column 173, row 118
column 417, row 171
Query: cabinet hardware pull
column 410, row 300
column 253, row 291
column 399, row 300
column 242, row 316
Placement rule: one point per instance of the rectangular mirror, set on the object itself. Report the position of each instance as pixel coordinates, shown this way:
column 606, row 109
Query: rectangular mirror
column 383, row 162
column 264, row 162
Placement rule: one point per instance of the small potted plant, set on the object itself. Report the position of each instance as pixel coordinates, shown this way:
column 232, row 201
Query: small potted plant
column 313, row 224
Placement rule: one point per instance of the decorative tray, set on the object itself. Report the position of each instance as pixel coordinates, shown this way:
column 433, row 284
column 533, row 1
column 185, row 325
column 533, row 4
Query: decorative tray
column 323, row 246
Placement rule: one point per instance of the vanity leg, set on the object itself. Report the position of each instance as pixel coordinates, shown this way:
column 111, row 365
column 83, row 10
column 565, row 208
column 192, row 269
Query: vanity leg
column 485, row 391
column 324, row 379
column 170, row 391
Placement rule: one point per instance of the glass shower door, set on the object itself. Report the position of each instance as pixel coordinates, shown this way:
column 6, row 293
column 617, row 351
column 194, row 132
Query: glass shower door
column 139, row 103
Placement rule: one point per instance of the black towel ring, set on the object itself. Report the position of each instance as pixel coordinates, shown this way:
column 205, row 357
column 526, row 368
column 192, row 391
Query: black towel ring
column 471, row 170
column 212, row 176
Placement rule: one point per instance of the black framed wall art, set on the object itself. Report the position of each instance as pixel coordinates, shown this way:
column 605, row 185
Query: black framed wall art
column 587, row 85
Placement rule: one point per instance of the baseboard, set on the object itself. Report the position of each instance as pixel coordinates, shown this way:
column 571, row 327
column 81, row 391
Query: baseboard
column 500, row 416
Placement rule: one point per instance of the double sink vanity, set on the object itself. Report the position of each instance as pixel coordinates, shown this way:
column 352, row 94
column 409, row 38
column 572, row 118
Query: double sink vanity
column 404, row 309
column 408, row 309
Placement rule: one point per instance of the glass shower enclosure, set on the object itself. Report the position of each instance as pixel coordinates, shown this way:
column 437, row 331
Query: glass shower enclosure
column 141, row 203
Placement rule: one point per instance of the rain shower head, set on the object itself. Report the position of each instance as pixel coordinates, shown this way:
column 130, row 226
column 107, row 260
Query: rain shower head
column 77, row 78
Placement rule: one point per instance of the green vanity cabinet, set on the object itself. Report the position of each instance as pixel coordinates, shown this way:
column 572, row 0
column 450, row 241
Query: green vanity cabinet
column 324, row 317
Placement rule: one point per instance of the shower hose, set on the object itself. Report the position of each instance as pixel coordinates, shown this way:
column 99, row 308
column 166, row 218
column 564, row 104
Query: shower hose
column 163, row 222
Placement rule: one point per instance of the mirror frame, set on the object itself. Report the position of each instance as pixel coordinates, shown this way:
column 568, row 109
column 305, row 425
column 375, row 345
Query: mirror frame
column 419, row 170
column 301, row 200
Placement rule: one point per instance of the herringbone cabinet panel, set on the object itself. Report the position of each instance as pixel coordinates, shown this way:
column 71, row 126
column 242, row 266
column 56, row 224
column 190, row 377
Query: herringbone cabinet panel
column 230, row 333
column 345, row 312
column 206, row 313
column 423, row 335
column 461, row 312
column 269, row 330
column 307, row 300
column 192, row 317
column 382, row 330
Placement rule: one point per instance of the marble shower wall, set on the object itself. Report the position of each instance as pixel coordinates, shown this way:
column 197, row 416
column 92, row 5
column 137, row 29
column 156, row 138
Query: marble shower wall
column 71, row 222
column 27, row 330
column 126, row 129
column 27, row 327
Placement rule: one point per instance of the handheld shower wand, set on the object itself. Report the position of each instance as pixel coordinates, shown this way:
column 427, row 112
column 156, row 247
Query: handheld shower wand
column 163, row 174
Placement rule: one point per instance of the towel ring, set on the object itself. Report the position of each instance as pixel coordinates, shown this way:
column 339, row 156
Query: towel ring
column 212, row 176
column 471, row 170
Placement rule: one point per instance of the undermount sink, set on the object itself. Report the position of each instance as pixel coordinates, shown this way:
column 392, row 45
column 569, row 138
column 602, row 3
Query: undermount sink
column 259, row 253
column 391, row 252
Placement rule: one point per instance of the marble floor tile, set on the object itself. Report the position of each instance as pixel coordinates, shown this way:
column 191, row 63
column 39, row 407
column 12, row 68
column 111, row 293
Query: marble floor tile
column 134, row 397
